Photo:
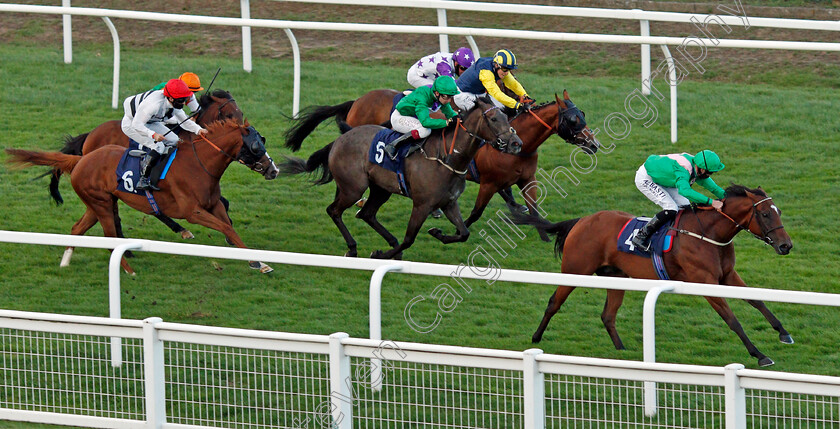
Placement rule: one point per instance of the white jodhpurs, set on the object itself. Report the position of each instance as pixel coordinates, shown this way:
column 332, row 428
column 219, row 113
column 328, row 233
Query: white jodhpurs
column 146, row 141
column 405, row 124
column 667, row 198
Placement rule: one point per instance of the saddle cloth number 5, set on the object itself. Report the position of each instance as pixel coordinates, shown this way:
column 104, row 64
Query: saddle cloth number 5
column 380, row 154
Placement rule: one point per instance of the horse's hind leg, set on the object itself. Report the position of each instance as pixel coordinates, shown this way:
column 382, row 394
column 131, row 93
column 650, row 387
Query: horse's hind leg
column 735, row 280
column 722, row 308
column 557, row 299
column 378, row 197
column 86, row 222
column 175, row 226
column 418, row 216
column 611, row 306
column 485, row 193
column 336, row 209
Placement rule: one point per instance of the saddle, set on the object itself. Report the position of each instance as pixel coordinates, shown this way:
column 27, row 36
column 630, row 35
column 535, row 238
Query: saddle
column 128, row 169
column 661, row 242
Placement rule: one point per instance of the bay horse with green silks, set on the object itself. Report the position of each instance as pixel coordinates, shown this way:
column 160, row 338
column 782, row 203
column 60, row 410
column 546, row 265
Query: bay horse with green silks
column 497, row 171
column 702, row 252
column 190, row 191
column 434, row 174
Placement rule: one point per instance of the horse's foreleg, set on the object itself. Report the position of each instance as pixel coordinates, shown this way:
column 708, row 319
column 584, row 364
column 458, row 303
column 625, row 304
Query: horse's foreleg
column 557, row 299
column 453, row 213
column 418, row 216
column 733, row 279
column 722, row 308
column 611, row 306
column 531, row 202
column 335, row 210
column 485, row 193
column 378, row 197
column 174, row 226
column 218, row 220
column 510, row 200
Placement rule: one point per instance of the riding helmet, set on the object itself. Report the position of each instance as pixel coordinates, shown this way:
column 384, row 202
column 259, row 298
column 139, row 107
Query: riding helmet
column 192, row 81
column 445, row 85
column 176, row 88
column 505, row 59
column 708, row 160
column 464, row 57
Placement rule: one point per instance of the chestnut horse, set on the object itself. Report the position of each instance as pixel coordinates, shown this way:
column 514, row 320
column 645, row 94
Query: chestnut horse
column 215, row 106
column 435, row 179
column 702, row 253
column 190, row 191
column 497, row 171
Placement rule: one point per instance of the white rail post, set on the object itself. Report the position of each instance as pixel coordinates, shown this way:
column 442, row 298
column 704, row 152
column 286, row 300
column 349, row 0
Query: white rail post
column 245, row 7
column 649, row 340
column 115, row 97
column 533, row 391
column 68, row 34
column 375, row 323
column 735, row 397
column 645, row 32
column 295, row 73
column 672, row 82
column 153, row 366
column 114, row 295
column 474, row 47
column 444, row 38
column 341, row 399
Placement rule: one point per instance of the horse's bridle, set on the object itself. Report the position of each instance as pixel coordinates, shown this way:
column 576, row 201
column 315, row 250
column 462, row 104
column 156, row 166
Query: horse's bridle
column 219, row 117
column 498, row 143
column 766, row 238
column 257, row 166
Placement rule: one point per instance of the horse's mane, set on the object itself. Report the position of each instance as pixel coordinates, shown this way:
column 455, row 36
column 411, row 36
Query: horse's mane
column 535, row 108
column 206, row 99
column 741, row 191
column 217, row 126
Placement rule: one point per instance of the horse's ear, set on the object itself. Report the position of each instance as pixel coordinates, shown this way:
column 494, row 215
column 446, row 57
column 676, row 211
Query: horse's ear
column 559, row 101
column 566, row 95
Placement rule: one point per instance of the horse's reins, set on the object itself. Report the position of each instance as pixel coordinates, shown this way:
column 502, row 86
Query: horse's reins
column 214, row 147
column 765, row 239
column 459, row 124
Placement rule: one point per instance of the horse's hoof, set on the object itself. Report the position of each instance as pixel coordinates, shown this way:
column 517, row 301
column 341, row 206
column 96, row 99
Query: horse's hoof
column 518, row 208
column 377, row 254
column 786, row 338
column 186, row 235
column 398, row 257
column 765, row 361
column 437, row 213
column 128, row 254
column 227, row 240
column 536, row 338
column 351, row 253
column 265, row 269
column 436, row 233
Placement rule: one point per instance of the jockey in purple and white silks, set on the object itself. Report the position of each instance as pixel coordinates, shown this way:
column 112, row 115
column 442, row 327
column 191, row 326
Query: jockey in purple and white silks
column 666, row 180
column 430, row 67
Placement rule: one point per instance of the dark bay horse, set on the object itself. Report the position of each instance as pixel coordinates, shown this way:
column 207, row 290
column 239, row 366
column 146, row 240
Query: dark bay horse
column 702, row 253
column 190, row 191
column 435, row 178
column 497, row 170
column 215, row 106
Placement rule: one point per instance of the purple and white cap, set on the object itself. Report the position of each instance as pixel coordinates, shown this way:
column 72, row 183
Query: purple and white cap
column 464, row 57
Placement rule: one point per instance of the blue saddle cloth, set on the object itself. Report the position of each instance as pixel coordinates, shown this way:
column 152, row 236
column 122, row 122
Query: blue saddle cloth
column 661, row 243
column 377, row 155
column 128, row 169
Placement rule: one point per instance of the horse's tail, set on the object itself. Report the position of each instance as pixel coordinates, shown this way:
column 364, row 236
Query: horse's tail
column 72, row 146
column 343, row 126
column 63, row 162
column 318, row 160
column 310, row 118
column 559, row 229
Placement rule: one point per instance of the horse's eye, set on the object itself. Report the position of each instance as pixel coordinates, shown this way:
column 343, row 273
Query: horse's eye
column 765, row 214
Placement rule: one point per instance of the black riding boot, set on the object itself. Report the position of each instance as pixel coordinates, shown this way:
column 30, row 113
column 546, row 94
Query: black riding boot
column 391, row 148
column 149, row 160
column 640, row 240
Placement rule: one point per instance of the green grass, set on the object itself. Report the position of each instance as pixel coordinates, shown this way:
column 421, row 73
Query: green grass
column 781, row 135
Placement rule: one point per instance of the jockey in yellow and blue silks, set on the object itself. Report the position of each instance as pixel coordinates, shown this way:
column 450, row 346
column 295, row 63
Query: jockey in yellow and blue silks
column 411, row 115
column 666, row 180
column 481, row 78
